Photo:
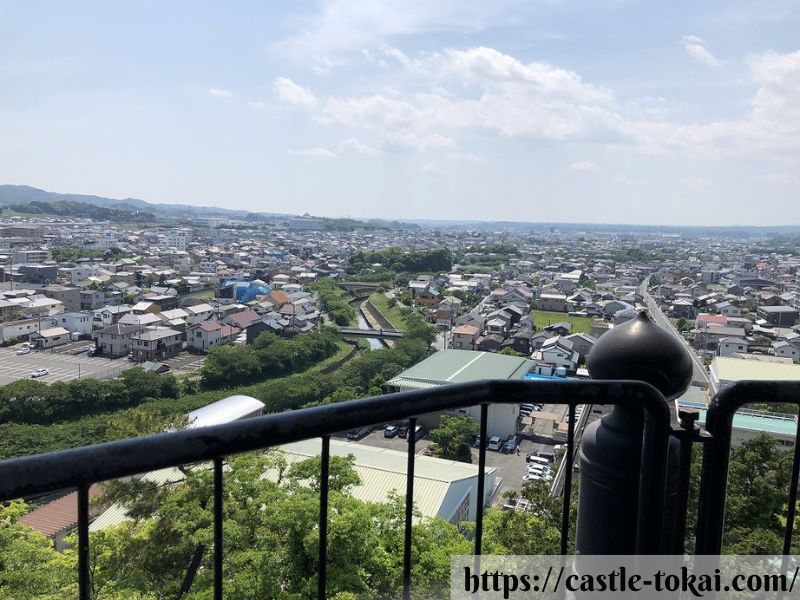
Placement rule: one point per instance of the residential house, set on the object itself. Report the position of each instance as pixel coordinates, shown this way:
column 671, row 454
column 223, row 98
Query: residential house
column 582, row 343
column 198, row 313
column 79, row 323
column 204, row 336
column 779, row 316
column 558, row 352
column 243, row 319
column 142, row 320
column 492, row 342
column 69, row 296
column 92, row 299
column 428, row 298
column 553, row 301
column 115, row 341
column 51, row 337
column 732, row 345
column 155, row 343
column 110, row 315
column 728, row 309
column 787, row 350
column 464, row 337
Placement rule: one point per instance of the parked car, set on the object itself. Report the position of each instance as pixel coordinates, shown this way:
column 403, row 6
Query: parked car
column 547, row 455
column 390, row 431
column 534, row 468
column 534, row 458
column 529, row 478
column 359, row 434
column 402, row 432
column 508, row 448
column 22, row 351
column 495, row 442
column 40, row 373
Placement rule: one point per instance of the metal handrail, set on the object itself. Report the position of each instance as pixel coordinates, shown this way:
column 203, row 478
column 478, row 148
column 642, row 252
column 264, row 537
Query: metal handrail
column 716, row 457
column 80, row 467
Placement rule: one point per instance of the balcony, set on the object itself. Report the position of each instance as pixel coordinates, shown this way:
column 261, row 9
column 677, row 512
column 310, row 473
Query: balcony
column 645, row 513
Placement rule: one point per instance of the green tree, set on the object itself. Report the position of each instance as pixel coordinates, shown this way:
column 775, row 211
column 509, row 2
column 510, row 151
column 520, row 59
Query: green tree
column 342, row 474
column 510, row 352
column 452, row 432
column 29, row 566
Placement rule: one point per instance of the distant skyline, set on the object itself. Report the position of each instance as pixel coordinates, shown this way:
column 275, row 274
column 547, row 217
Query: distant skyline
column 621, row 111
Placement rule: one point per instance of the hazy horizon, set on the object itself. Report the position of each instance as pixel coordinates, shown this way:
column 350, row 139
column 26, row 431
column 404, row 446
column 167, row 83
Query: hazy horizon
column 543, row 112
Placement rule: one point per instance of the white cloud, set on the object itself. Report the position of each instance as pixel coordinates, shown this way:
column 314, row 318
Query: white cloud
column 257, row 105
column 438, row 99
column 584, row 166
column 466, row 157
column 354, row 145
column 325, row 64
column 343, row 26
column 624, row 179
column 778, row 179
column 695, row 181
column 291, row 93
column 220, row 93
column 696, row 48
column 430, row 169
column 313, row 153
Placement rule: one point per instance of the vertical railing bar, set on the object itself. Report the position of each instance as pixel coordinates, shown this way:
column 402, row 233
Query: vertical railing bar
column 570, row 458
column 218, row 528
column 411, row 438
column 323, row 518
column 790, row 514
column 83, row 542
column 481, row 480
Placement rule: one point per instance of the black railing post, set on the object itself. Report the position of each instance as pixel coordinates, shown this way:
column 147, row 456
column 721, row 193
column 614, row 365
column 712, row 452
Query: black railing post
column 218, row 528
column 792, row 508
column 481, row 499
column 411, row 438
column 569, row 458
column 322, row 570
column 621, row 505
column 84, row 592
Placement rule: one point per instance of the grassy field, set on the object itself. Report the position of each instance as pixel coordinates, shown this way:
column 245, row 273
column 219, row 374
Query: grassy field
column 543, row 318
column 381, row 302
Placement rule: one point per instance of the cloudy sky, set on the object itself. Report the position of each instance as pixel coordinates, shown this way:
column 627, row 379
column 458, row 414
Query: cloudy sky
column 616, row 111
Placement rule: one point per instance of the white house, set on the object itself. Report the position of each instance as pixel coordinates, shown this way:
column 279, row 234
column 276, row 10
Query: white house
column 76, row 322
column 557, row 351
column 787, row 350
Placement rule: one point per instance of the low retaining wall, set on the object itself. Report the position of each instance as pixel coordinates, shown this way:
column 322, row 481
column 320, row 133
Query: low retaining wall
column 333, row 366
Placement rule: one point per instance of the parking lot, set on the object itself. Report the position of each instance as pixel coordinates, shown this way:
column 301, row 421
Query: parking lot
column 185, row 363
column 62, row 366
column 510, row 467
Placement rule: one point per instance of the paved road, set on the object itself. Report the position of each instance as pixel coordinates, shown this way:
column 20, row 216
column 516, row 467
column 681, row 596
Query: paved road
column 700, row 375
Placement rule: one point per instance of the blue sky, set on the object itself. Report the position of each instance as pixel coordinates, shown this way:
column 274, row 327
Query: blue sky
column 617, row 111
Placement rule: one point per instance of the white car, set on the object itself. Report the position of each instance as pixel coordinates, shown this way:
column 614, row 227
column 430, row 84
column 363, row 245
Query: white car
column 23, row 351
column 538, row 471
column 40, row 373
column 530, row 477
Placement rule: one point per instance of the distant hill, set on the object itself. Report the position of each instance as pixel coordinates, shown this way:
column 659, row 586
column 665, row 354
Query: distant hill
column 25, row 194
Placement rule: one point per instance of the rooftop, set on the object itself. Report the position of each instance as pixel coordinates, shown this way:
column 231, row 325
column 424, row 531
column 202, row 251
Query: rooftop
column 458, row 366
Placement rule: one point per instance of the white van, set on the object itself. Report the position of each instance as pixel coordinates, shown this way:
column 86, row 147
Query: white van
column 494, row 443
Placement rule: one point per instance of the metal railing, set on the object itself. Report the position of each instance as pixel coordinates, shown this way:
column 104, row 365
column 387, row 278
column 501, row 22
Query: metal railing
column 81, row 467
